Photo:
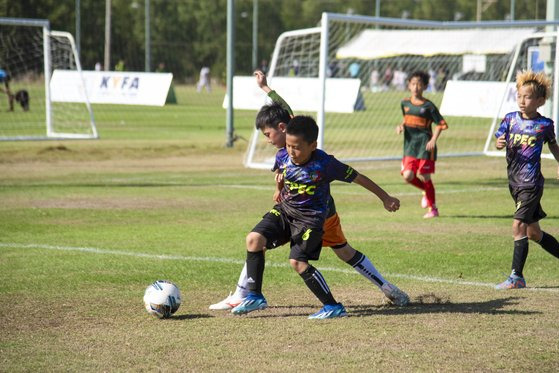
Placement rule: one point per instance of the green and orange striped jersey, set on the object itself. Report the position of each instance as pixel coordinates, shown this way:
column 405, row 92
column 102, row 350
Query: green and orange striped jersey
column 417, row 128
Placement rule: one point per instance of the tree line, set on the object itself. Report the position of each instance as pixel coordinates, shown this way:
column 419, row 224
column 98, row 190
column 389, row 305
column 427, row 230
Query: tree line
column 189, row 34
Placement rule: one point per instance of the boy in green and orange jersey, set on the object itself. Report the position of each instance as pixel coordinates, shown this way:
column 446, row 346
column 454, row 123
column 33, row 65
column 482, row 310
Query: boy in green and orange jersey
column 420, row 149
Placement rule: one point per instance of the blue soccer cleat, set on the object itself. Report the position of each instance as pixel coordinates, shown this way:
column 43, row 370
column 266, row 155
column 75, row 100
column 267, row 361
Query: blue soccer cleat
column 330, row 311
column 252, row 302
column 513, row 282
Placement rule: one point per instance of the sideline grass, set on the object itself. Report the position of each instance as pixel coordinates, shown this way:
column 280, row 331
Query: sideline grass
column 190, row 197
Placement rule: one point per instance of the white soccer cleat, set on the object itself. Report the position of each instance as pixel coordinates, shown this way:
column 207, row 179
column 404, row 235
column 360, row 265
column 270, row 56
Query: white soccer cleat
column 397, row 296
column 227, row 304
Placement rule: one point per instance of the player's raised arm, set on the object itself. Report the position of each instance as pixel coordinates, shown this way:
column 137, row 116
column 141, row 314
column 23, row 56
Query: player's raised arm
column 390, row 203
column 262, row 81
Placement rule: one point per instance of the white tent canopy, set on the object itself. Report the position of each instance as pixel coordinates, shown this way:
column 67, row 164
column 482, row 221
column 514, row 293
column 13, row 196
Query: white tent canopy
column 373, row 44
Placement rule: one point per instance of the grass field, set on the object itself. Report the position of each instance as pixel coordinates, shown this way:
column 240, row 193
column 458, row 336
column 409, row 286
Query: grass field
column 85, row 226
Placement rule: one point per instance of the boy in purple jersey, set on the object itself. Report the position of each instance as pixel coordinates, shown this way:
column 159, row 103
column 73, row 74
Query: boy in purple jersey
column 524, row 133
column 272, row 120
column 300, row 216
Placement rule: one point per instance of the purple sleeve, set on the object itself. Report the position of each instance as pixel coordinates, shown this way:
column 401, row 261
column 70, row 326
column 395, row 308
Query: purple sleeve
column 275, row 167
column 503, row 127
column 280, row 155
column 337, row 170
column 549, row 136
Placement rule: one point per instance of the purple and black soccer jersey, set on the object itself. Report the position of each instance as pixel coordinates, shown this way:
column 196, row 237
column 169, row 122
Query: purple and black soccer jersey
column 525, row 140
column 306, row 187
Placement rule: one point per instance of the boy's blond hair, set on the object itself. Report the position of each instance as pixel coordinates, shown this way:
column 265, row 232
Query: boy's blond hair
column 539, row 82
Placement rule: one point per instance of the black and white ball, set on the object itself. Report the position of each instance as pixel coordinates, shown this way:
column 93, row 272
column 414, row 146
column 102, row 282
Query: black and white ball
column 162, row 299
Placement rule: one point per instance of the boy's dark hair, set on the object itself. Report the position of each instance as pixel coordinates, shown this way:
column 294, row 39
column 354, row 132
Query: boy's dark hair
column 422, row 75
column 271, row 115
column 303, row 126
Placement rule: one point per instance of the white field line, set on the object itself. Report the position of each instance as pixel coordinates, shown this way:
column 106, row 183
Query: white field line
column 94, row 250
column 357, row 192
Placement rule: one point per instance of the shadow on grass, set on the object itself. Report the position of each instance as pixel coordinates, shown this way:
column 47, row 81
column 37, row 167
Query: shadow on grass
column 430, row 303
column 506, row 217
column 190, row 316
column 423, row 304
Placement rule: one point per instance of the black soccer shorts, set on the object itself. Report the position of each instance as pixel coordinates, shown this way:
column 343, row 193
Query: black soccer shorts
column 278, row 229
column 527, row 200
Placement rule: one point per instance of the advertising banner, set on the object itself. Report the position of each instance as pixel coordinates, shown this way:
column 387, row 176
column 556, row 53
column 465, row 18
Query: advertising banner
column 478, row 99
column 302, row 94
column 110, row 87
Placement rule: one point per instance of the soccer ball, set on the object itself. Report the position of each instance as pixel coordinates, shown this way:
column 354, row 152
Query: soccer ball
column 162, row 299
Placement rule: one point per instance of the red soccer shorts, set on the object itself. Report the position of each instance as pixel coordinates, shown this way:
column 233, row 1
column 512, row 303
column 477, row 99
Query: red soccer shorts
column 418, row 166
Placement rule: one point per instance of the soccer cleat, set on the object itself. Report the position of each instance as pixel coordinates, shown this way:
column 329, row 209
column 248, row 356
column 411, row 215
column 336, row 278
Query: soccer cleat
column 228, row 303
column 512, row 282
column 396, row 296
column 424, row 203
column 252, row 302
column 432, row 213
column 330, row 311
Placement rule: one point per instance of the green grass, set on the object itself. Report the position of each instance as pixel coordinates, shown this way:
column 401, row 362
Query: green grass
column 77, row 217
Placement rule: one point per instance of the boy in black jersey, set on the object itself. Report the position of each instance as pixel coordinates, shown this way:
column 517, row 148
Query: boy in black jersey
column 272, row 120
column 299, row 217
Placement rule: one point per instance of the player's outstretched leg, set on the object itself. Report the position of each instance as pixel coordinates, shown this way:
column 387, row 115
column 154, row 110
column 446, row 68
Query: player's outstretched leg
column 234, row 299
column 361, row 263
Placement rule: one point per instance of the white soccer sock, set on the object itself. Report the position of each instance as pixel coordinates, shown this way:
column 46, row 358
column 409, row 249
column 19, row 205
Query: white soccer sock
column 368, row 270
column 242, row 285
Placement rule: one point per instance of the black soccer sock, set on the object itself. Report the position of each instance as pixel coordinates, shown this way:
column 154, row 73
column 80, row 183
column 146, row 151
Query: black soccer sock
column 550, row 244
column 519, row 256
column 316, row 283
column 255, row 271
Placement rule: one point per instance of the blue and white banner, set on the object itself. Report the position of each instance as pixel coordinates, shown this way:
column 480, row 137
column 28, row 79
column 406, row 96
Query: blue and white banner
column 110, row 87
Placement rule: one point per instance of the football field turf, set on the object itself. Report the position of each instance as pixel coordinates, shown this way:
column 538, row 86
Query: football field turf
column 86, row 226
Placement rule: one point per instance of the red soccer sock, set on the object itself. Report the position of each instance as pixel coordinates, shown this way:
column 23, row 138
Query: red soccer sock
column 430, row 194
column 416, row 182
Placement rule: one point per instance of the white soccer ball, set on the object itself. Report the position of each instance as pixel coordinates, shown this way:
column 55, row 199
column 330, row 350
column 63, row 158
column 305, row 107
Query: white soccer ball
column 162, row 299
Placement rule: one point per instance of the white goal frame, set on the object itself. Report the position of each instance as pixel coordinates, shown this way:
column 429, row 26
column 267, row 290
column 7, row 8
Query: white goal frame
column 323, row 30
column 50, row 133
column 510, row 77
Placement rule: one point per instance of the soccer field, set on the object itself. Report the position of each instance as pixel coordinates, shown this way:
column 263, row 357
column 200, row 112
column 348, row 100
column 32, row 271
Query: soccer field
column 86, row 226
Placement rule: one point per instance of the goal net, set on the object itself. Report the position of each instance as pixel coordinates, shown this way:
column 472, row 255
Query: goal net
column 468, row 65
column 29, row 55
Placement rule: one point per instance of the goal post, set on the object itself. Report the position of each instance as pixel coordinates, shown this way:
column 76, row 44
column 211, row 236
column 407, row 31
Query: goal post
column 29, row 55
column 380, row 53
column 544, row 46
